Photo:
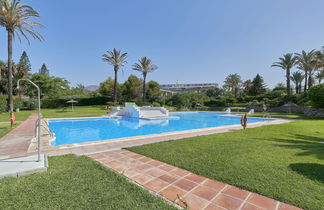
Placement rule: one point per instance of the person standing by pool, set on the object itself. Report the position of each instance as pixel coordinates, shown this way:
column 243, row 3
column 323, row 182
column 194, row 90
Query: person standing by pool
column 244, row 121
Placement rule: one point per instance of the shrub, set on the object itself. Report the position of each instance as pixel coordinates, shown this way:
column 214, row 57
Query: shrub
column 231, row 100
column 156, row 104
column 216, row 103
column 30, row 104
column 3, row 103
column 53, row 103
column 316, row 96
column 18, row 103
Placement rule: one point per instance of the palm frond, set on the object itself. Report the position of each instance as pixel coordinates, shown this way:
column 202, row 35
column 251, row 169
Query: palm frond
column 144, row 66
column 115, row 58
column 15, row 17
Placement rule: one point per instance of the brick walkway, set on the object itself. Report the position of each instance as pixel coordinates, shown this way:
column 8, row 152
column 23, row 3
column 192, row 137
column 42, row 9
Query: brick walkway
column 183, row 187
column 18, row 140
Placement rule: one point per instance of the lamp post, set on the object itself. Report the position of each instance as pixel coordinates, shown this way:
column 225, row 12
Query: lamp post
column 39, row 116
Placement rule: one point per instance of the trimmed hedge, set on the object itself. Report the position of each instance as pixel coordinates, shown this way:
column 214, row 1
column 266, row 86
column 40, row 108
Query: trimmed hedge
column 59, row 102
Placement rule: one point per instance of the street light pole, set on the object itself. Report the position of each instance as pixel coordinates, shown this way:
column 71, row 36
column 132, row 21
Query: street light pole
column 39, row 116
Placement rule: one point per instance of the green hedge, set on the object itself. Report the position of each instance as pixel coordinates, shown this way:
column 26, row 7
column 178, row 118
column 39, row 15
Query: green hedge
column 59, row 102
column 23, row 104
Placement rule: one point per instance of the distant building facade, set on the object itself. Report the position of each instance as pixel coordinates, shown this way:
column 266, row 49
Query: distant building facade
column 180, row 88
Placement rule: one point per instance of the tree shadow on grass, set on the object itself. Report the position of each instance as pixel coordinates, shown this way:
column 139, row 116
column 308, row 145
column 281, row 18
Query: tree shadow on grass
column 310, row 145
column 313, row 171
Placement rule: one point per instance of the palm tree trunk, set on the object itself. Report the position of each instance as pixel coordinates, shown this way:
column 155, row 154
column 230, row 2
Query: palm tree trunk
column 115, row 84
column 306, row 77
column 310, row 80
column 297, row 87
column 10, row 96
column 288, row 81
column 144, row 87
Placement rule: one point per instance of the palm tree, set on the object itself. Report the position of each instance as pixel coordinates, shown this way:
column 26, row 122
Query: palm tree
column 144, row 66
column 117, row 59
column 306, row 62
column 14, row 16
column 233, row 82
column 320, row 76
column 320, row 65
column 297, row 77
column 286, row 63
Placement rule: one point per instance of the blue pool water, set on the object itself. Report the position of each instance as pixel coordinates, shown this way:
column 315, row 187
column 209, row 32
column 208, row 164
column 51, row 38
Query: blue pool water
column 69, row 131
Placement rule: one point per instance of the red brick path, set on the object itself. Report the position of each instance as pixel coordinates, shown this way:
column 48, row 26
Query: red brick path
column 183, row 187
column 18, row 140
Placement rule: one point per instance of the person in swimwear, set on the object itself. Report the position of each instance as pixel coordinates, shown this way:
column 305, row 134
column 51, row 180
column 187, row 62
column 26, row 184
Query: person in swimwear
column 244, row 121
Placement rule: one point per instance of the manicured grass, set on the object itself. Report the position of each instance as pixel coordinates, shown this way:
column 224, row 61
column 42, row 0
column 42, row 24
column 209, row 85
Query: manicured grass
column 281, row 115
column 73, row 182
column 284, row 162
column 79, row 111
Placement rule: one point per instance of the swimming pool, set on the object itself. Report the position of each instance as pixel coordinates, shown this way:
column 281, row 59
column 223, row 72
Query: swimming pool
column 70, row 131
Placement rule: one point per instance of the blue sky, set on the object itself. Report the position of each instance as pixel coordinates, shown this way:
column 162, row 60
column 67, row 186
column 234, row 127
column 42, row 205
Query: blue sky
column 192, row 41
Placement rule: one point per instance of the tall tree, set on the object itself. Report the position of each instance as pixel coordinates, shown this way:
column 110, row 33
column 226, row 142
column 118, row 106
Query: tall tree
column 297, row 78
column 15, row 17
column 286, row 63
column 44, row 70
column 106, row 88
column 306, row 62
column 131, row 90
column 233, row 82
column 153, row 91
column 24, row 63
column 247, row 85
column 258, row 86
column 117, row 59
column 144, row 66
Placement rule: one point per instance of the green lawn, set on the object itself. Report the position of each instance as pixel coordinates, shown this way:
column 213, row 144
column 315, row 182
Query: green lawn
column 281, row 115
column 284, row 162
column 73, row 182
column 79, row 111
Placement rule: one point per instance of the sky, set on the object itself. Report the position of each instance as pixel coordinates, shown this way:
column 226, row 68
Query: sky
column 191, row 41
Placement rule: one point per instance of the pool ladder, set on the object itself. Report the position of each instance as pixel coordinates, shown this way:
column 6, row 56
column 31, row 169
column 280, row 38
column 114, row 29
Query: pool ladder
column 46, row 128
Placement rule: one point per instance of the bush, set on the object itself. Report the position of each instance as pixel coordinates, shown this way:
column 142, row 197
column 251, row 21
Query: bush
column 30, row 104
column 231, row 100
column 156, row 104
column 216, row 103
column 18, row 103
column 3, row 103
column 53, row 103
column 316, row 96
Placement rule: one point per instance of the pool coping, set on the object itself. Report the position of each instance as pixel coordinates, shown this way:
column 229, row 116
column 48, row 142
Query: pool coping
column 150, row 135
column 118, row 143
